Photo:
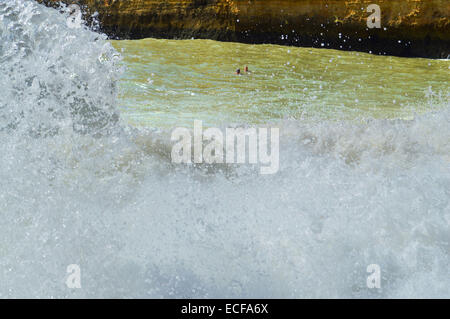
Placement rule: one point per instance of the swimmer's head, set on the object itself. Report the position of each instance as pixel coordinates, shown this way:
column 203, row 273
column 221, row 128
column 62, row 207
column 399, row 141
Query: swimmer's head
column 246, row 68
column 238, row 71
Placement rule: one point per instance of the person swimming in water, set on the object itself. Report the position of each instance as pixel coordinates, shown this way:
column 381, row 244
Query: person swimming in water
column 238, row 71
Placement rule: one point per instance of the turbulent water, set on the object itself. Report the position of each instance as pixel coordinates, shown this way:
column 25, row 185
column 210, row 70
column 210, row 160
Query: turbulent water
column 81, row 185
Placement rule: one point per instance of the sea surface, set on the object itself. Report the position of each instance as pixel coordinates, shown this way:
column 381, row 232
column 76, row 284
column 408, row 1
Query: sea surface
column 169, row 83
column 86, row 175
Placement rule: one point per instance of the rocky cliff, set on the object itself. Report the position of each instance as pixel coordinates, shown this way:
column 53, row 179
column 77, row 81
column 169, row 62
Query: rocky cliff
column 408, row 27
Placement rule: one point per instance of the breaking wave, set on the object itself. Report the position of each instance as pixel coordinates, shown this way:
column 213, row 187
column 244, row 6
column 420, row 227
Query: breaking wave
column 79, row 186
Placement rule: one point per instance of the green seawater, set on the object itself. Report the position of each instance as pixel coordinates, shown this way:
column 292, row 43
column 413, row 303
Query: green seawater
column 170, row 83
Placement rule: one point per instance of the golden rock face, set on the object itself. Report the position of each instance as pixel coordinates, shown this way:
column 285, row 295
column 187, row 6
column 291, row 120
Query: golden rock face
column 408, row 27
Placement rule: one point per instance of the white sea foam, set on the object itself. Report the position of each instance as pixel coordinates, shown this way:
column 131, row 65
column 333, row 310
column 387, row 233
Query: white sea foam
column 79, row 187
